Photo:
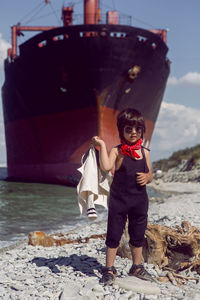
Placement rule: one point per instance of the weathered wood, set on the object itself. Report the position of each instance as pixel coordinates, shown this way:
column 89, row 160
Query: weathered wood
column 39, row 238
column 176, row 248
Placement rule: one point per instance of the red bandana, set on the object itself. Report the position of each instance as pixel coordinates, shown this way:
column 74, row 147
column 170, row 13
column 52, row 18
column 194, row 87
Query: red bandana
column 130, row 150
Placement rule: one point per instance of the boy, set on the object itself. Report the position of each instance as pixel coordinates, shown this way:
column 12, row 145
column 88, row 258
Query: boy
column 128, row 196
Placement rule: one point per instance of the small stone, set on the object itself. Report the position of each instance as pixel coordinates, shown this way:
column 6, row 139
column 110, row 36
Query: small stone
column 98, row 288
column 129, row 294
column 109, row 297
column 115, row 286
column 136, row 297
column 137, row 285
column 47, row 294
column 17, row 287
column 193, row 296
column 124, row 272
column 86, row 292
column 151, row 297
column 70, row 290
column 163, row 273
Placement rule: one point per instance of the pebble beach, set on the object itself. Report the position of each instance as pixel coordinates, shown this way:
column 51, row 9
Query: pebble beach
column 73, row 271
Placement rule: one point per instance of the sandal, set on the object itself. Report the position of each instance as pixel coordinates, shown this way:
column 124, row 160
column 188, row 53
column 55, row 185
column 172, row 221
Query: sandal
column 107, row 277
column 140, row 272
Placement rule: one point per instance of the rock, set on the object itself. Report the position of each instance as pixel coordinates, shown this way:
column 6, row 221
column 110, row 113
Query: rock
column 179, row 175
column 125, row 298
column 71, row 289
column 87, row 293
column 17, row 287
column 151, row 297
column 98, row 288
column 137, row 285
column 193, row 296
column 98, row 291
column 129, row 294
column 71, row 292
column 158, row 174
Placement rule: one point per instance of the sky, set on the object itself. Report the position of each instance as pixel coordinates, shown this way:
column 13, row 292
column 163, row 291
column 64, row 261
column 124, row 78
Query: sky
column 178, row 123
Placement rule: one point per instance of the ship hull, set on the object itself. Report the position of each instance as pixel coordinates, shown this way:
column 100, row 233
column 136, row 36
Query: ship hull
column 67, row 85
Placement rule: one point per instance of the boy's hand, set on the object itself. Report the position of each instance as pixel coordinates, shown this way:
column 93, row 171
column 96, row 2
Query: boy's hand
column 97, row 141
column 142, row 178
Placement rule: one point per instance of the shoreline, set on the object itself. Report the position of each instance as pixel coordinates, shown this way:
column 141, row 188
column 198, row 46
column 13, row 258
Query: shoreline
column 175, row 187
column 76, row 228
column 168, row 190
column 14, row 245
column 65, row 226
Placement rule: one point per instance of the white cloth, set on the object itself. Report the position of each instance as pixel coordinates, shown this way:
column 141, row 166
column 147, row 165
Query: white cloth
column 93, row 183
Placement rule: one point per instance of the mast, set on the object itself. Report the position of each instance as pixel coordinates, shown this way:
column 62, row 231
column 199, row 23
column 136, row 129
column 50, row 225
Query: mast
column 91, row 12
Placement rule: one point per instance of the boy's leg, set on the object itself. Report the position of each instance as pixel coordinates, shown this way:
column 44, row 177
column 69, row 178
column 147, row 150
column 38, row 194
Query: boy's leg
column 109, row 272
column 136, row 253
column 115, row 226
column 137, row 268
column 136, row 229
column 110, row 257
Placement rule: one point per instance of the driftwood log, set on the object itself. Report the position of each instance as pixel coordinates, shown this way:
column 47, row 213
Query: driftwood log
column 39, row 238
column 174, row 249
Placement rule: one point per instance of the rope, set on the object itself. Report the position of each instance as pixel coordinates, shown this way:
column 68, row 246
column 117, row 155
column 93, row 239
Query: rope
column 144, row 23
column 43, row 16
column 32, row 10
column 54, row 12
column 113, row 4
column 33, row 16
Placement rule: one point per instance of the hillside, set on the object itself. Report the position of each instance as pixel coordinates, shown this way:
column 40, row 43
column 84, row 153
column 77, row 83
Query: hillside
column 189, row 158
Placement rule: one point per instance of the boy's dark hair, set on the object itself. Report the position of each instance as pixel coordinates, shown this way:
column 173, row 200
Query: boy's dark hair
column 130, row 117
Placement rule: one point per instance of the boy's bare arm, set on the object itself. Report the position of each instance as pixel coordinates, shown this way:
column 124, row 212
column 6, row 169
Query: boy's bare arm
column 106, row 161
column 149, row 174
column 145, row 178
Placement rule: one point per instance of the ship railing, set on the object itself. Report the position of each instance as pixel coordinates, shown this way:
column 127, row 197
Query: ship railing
column 56, row 35
column 78, row 19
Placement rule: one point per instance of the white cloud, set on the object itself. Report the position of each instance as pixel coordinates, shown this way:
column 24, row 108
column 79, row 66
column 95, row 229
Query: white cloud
column 177, row 127
column 191, row 78
column 4, row 45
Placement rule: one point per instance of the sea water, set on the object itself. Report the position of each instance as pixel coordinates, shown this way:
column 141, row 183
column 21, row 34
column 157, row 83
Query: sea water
column 26, row 207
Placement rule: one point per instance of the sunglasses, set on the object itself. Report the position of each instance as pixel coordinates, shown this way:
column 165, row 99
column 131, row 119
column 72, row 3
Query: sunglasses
column 129, row 129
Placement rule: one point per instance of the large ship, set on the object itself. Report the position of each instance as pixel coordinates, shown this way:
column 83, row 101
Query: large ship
column 67, row 84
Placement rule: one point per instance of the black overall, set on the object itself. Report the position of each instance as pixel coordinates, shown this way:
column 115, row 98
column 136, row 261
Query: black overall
column 127, row 198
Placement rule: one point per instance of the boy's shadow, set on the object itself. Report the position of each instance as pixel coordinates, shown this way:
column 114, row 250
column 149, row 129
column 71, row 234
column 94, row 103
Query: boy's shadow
column 84, row 263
